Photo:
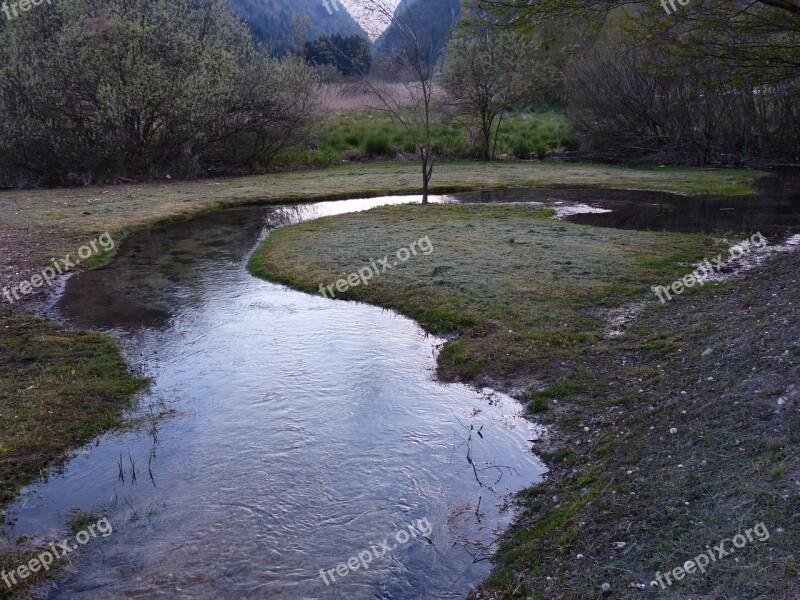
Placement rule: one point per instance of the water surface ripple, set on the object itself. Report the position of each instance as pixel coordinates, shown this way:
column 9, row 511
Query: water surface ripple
column 299, row 432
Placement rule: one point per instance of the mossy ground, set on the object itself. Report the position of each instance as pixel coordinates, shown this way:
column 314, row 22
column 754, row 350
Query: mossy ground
column 528, row 299
column 712, row 366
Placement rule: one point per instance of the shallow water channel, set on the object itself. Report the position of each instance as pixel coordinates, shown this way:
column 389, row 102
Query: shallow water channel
column 300, row 431
column 285, row 433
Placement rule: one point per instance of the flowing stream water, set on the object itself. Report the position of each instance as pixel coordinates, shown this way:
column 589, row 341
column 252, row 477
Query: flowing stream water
column 299, row 432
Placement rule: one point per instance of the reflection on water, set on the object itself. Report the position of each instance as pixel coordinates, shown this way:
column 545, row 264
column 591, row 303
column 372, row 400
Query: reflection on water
column 774, row 211
column 300, row 431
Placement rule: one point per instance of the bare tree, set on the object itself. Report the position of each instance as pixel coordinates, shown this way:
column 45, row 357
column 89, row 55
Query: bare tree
column 487, row 70
column 410, row 60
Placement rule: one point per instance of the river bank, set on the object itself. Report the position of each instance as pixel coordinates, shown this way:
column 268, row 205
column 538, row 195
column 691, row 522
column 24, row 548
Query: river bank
column 40, row 224
column 677, row 434
column 50, row 365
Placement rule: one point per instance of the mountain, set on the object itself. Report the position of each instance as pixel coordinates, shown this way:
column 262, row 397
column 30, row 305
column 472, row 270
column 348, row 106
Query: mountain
column 430, row 19
column 271, row 20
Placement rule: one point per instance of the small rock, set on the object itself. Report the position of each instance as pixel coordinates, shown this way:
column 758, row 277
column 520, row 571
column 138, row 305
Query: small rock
column 673, row 431
column 781, row 401
column 706, row 352
column 606, row 588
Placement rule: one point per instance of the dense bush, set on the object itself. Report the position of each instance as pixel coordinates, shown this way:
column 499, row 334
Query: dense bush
column 95, row 89
column 629, row 102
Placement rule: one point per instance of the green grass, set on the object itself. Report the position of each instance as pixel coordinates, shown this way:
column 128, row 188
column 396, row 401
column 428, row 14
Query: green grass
column 521, row 291
column 522, row 136
column 57, row 218
column 378, row 144
column 59, row 388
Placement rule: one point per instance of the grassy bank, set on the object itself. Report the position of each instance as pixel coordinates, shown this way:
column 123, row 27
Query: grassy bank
column 59, row 388
column 665, row 440
column 39, row 224
column 523, row 290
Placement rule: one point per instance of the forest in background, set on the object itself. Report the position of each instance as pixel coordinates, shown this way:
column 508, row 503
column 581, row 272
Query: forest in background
column 150, row 89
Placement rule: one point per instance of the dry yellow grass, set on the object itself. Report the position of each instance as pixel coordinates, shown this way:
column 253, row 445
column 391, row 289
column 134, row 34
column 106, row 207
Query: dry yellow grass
column 341, row 97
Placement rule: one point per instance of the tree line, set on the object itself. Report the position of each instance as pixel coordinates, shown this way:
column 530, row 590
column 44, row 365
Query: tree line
column 96, row 90
column 710, row 82
column 100, row 90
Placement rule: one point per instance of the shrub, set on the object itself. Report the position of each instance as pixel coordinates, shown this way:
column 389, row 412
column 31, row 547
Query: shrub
column 571, row 143
column 378, row 144
column 521, row 149
column 336, row 143
column 324, row 156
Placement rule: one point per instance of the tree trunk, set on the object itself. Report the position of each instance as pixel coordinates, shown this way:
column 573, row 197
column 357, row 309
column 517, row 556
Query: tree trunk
column 424, row 176
column 497, row 134
column 427, row 172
